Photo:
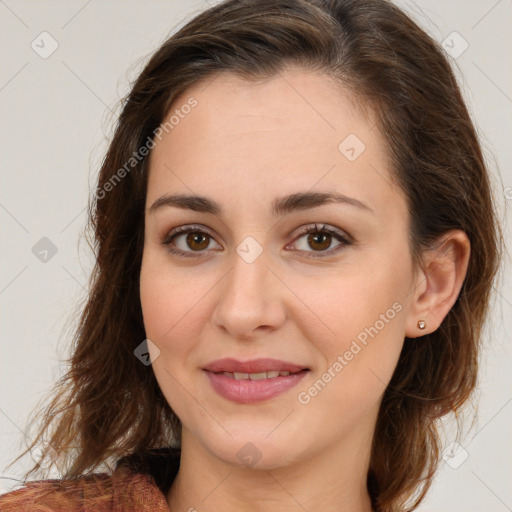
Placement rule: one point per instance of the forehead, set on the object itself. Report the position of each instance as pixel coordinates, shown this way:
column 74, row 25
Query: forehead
column 297, row 130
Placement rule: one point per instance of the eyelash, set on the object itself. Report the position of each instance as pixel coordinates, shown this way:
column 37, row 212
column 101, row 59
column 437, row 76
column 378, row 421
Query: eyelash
column 345, row 241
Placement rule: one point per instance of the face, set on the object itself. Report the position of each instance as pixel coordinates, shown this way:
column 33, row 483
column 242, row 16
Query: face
column 321, row 284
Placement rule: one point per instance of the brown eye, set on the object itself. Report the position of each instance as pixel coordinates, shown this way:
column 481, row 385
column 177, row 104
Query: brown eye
column 187, row 240
column 197, row 241
column 319, row 241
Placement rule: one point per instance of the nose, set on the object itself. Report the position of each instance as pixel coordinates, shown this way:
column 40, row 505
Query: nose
column 249, row 300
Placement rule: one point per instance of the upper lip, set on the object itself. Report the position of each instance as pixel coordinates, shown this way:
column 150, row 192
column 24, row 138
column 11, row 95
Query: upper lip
column 253, row 366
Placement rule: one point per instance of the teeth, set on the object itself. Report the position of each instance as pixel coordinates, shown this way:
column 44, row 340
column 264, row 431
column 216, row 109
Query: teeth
column 256, row 376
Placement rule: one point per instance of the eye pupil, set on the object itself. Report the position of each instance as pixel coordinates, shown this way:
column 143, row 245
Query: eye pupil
column 320, row 238
column 192, row 238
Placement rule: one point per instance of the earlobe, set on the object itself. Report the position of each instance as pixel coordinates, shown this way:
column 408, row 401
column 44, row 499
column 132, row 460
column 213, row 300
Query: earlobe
column 439, row 284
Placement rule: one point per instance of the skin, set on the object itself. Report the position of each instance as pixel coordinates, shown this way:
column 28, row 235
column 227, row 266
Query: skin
column 243, row 145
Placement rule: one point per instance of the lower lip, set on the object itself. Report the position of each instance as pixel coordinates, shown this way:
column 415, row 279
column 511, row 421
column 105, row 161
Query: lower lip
column 248, row 391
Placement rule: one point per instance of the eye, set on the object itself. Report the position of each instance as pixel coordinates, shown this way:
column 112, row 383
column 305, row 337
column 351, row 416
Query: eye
column 320, row 238
column 196, row 239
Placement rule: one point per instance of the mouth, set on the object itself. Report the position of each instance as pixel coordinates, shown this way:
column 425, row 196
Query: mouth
column 258, row 376
column 253, row 381
column 253, row 367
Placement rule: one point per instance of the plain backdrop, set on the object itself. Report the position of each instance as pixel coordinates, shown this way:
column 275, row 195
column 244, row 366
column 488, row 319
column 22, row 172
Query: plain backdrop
column 65, row 65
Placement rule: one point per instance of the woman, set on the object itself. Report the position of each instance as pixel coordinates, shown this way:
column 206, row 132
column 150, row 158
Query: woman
column 296, row 244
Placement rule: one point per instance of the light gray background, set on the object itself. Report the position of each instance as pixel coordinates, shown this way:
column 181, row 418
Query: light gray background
column 56, row 115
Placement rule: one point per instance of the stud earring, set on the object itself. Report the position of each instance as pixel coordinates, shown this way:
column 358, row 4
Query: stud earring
column 422, row 324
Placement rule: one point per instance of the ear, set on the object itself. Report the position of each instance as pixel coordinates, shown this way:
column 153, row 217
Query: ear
column 438, row 282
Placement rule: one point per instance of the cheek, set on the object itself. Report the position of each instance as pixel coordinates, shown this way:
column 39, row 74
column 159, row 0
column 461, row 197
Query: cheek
column 173, row 315
column 171, row 306
column 364, row 312
column 353, row 301
column 357, row 361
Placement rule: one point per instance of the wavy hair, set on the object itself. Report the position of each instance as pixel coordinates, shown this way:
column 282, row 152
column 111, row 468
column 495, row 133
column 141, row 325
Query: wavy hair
column 109, row 404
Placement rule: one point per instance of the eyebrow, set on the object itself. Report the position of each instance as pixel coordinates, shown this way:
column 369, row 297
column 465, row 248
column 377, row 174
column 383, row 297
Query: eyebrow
column 280, row 206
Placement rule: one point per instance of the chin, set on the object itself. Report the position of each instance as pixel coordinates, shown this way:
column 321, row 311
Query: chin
column 257, row 451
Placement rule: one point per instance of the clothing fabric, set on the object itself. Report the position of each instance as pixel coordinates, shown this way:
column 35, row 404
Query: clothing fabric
column 138, row 483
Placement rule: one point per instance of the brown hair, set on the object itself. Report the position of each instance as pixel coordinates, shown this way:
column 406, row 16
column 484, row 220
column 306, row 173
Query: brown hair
column 109, row 404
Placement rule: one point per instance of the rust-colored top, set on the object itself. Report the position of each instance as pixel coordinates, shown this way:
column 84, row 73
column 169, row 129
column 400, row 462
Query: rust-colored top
column 139, row 483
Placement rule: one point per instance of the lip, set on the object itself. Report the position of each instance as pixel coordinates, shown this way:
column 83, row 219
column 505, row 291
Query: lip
column 252, row 391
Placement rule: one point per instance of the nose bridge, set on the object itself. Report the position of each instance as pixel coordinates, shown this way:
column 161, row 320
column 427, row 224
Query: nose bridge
column 249, row 299
column 250, row 264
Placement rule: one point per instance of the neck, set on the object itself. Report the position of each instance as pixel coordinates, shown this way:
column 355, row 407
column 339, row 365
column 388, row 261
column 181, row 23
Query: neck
column 334, row 480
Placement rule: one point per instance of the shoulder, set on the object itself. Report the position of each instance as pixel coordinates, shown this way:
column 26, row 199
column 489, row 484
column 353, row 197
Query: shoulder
column 56, row 495
column 97, row 492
